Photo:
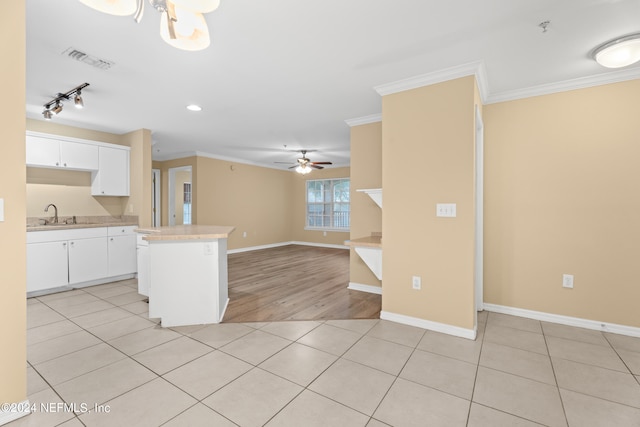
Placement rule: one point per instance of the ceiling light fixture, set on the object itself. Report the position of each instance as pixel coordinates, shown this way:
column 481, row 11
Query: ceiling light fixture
column 619, row 53
column 303, row 169
column 78, row 101
column 182, row 24
column 55, row 105
column 194, row 107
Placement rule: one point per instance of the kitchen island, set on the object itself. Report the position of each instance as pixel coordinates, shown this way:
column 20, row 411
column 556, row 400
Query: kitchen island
column 186, row 273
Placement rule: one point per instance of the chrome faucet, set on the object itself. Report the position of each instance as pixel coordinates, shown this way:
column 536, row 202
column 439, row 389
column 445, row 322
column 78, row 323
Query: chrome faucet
column 55, row 214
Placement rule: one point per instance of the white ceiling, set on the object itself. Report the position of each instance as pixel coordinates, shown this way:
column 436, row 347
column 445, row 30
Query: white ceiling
column 290, row 72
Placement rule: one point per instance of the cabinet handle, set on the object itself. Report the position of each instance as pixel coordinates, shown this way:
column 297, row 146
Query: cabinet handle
column 65, row 165
column 57, row 163
column 112, row 239
column 64, row 245
column 72, row 243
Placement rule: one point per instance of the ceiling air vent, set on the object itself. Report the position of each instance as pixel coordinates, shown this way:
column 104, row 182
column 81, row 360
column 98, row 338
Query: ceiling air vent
column 78, row 55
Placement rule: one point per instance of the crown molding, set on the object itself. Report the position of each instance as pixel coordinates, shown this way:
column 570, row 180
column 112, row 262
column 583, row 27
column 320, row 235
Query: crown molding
column 365, row 120
column 475, row 68
column 566, row 85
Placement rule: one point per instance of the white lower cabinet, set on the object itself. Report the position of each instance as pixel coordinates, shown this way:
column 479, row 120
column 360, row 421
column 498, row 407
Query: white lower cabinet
column 122, row 251
column 47, row 265
column 87, row 260
column 79, row 257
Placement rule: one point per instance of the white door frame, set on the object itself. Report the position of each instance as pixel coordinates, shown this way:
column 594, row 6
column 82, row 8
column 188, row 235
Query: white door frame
column 156, row 197
column 479, row 214
column 172, row 191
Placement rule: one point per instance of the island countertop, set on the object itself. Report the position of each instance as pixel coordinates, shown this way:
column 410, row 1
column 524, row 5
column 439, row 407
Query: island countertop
column 369, row 241
column 186, row 232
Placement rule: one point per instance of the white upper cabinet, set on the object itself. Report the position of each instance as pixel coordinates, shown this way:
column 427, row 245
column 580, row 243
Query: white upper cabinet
column 56, row 153
column 108, row 163
column 112, row 177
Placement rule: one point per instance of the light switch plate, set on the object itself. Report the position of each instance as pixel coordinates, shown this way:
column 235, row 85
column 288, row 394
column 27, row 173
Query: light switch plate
column 1, row 210
column 446, row 210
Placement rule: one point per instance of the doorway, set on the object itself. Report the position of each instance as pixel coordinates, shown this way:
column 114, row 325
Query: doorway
column 180, row 195
column 156, row 203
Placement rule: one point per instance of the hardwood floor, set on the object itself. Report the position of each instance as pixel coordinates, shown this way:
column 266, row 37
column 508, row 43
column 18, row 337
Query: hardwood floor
column 295, row 283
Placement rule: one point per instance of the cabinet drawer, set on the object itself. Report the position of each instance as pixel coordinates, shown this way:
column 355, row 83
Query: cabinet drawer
column 125, row 230
column 66, row 234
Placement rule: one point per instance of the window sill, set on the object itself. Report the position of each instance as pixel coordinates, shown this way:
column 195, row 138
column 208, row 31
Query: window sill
column 335, row 230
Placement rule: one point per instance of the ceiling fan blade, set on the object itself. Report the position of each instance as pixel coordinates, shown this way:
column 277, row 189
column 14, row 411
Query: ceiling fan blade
column 314, row 166
column 284, row 163
column 321, row 163
column 293, row 167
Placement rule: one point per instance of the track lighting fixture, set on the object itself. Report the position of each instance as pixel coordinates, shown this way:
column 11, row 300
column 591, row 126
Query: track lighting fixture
column 182, row 23
column 55, row 105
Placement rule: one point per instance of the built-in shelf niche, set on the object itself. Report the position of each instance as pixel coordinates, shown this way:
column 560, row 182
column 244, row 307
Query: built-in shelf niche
column 375, row 194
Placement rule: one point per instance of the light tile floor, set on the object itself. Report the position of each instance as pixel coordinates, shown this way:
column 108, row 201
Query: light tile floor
column 96, row 350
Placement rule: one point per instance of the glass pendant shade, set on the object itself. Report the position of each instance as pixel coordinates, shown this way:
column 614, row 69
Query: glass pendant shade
column 619, row 53
column 303, row 169
column 112, row 7
column 201, row 6
column 191, row 31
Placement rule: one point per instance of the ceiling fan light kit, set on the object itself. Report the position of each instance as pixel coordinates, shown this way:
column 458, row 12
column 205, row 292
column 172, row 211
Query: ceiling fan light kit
column 619, row 53
column 182, row 23
column 304, row 165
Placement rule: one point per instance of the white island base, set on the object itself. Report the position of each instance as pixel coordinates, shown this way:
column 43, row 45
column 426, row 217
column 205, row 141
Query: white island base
column 187, row 275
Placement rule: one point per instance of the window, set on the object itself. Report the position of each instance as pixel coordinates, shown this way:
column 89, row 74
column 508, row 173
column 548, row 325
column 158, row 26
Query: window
column 328, row 204
column 186, row 212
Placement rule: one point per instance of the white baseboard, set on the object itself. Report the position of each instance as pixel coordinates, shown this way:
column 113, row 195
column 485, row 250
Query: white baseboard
column 276, row 245
column 428, row 324
column 365, row 288
column 565, row 320
column 8, row 416
column 257, row 248
column 320, row 245
column 224, row 310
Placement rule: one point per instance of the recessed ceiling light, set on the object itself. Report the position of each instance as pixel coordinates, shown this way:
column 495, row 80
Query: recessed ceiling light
column 619, row 52
column 194, row 107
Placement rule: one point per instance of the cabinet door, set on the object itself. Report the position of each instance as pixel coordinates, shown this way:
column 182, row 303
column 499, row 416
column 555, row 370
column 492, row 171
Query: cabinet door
column 122, row 255
column 47, row 266
column 43, row 152
column 74, row 155
column 87, row 259
column 112, row 178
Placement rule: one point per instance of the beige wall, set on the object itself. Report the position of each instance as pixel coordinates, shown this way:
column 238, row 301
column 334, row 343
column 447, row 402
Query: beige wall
column 139, row 201
column 13, row 326
column 299, row 207
column 254, row 199
column 427, row 158
column 562, row 195
column 366, row 216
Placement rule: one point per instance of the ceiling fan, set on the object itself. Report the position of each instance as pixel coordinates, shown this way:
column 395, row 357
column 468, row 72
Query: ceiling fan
column 304, row 165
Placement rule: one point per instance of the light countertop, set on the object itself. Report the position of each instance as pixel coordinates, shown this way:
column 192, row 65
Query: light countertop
column 65, row 222
column 369, row 241
column 186, row 232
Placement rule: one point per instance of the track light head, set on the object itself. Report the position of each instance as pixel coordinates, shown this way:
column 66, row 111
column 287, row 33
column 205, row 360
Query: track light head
column 57, row 108
column 77, row 100
column 47, row 114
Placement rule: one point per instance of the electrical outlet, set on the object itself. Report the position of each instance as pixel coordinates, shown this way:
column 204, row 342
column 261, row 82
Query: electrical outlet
column 208, row 249
column 416, row 282
column 244, row 234
column 567, row 281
